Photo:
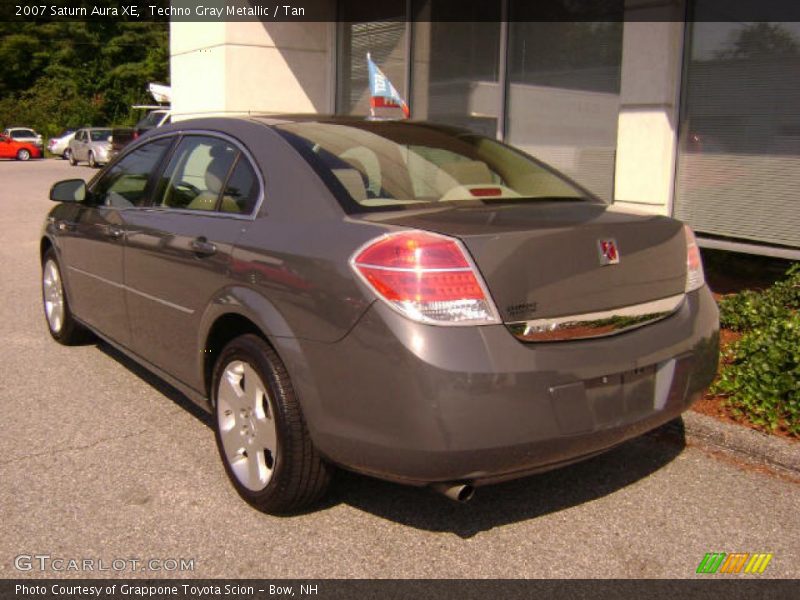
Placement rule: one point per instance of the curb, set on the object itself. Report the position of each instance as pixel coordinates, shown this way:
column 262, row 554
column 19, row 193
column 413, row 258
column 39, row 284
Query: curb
column 754, row 444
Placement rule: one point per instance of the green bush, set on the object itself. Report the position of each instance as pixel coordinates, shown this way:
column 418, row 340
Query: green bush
column 760, row 373
column 749, row 309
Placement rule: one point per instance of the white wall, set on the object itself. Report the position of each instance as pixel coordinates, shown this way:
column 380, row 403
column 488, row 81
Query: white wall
column 647, row 134
column 251, row 67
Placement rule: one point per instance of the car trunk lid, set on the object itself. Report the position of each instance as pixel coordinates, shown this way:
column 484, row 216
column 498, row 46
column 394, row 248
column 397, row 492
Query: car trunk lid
column 555, row 258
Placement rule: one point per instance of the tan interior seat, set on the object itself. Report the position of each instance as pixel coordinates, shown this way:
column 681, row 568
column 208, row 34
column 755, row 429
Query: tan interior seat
column 214, row 177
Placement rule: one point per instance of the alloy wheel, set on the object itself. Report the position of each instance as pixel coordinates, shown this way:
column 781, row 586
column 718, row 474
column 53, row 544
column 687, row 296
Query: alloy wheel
column 53, row 296
column 246, row 425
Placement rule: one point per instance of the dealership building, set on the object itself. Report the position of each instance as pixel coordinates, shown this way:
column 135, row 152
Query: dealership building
column 644, row 102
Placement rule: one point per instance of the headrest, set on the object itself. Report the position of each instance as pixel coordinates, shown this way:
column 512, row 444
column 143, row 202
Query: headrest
column 468, row 172
column 216, row 173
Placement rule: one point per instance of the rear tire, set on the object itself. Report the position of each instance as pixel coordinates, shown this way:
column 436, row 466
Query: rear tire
column 65, row 155
column 60, row 322
column 23, row 154
column 92, row 161
column 261, row 434
column 71, row 157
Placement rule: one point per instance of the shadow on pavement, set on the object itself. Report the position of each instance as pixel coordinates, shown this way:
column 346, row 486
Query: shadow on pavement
column 493, row 506
column 157, row 383
column 519, row 500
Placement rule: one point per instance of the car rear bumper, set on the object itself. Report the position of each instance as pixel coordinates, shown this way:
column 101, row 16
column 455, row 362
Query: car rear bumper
column 420, row 404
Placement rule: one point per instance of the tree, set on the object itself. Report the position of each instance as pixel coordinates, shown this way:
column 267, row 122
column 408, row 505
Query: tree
column 761, row 40
column 57, row 75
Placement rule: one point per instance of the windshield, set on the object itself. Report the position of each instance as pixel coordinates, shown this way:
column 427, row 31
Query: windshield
column 375, row 165
column 152, row 119
column 100, row 135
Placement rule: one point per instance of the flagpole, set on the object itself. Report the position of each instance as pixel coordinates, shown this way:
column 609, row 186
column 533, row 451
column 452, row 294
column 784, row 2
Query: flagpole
column 371, row 108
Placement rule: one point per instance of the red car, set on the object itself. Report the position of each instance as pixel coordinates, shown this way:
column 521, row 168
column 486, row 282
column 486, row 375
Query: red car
column 20, row 150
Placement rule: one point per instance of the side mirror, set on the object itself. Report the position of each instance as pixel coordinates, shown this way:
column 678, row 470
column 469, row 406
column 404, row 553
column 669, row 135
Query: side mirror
column 69, row 190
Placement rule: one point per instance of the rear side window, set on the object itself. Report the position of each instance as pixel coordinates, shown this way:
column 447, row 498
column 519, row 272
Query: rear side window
column 208, row 174
column 125, row 184
column 196, row 174
column 241, row 191
column 22, row 133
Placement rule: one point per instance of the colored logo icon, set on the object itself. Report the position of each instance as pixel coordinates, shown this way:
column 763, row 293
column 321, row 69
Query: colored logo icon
column 738, row 562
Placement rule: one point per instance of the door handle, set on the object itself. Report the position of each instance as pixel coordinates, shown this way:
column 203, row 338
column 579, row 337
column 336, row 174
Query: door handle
column 66, row 226
column 113, row 232
column 202, row 247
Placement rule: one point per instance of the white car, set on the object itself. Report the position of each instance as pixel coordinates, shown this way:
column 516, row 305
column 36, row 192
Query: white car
column 58, row 145
column 23, row 134
column 90, row 144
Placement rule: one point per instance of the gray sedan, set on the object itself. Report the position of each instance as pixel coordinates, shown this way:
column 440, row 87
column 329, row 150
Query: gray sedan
column 91, row 144
column 406, row 300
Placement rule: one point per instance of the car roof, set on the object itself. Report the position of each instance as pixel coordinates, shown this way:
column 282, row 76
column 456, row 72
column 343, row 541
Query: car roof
column 276, row 119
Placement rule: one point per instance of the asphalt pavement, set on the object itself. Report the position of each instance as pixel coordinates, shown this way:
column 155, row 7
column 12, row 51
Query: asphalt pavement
column 101, row 461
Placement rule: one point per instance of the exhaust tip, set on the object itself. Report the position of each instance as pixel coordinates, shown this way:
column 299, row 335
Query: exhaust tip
column 457, row 492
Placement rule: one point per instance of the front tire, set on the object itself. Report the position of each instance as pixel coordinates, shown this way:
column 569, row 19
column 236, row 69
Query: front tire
column 23, row 154
column 260, row 430
column 60, row 322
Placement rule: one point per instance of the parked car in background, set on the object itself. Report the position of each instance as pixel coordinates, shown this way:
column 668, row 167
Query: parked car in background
column 23, row 134
column 407, row 300
column 11, row 148
column 157, row 117
column 59, row 145
column 91, row 144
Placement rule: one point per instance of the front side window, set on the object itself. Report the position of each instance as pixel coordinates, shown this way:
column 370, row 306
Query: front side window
column 125, row 184
column 390, row 165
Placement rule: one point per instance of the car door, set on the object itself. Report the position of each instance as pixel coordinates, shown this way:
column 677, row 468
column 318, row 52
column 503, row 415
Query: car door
column 78, row 145
column 92, row 241
column 179, row 250
column 7, row 149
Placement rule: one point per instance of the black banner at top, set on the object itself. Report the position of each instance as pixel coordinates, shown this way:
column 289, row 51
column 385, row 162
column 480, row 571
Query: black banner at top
column 412, row 10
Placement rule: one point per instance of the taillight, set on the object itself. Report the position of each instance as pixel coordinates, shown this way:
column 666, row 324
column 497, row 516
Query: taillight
column 695, row 279
column 427, row 277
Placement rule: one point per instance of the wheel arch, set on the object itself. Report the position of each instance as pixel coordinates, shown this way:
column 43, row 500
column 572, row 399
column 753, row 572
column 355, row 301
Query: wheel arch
column 237, row 311
column 44, row 245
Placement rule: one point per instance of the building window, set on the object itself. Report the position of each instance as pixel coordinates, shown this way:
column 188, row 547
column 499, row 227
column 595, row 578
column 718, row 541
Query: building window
column 383, row 32
column 739, row 145
column 456, row 65
column 564, row 92
column 540, row 81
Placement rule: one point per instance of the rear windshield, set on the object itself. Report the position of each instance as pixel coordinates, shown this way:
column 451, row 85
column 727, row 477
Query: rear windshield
column 100, row 135
column 374, row 165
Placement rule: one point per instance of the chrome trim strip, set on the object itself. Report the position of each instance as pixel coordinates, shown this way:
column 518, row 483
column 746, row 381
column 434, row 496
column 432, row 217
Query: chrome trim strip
column 93, row 276
column 597, row 324
column 181, row 133
column 183, row 309
column 188, row 311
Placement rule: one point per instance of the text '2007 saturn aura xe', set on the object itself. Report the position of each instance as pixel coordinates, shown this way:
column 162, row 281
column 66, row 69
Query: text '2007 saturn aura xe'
column 406, row 300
